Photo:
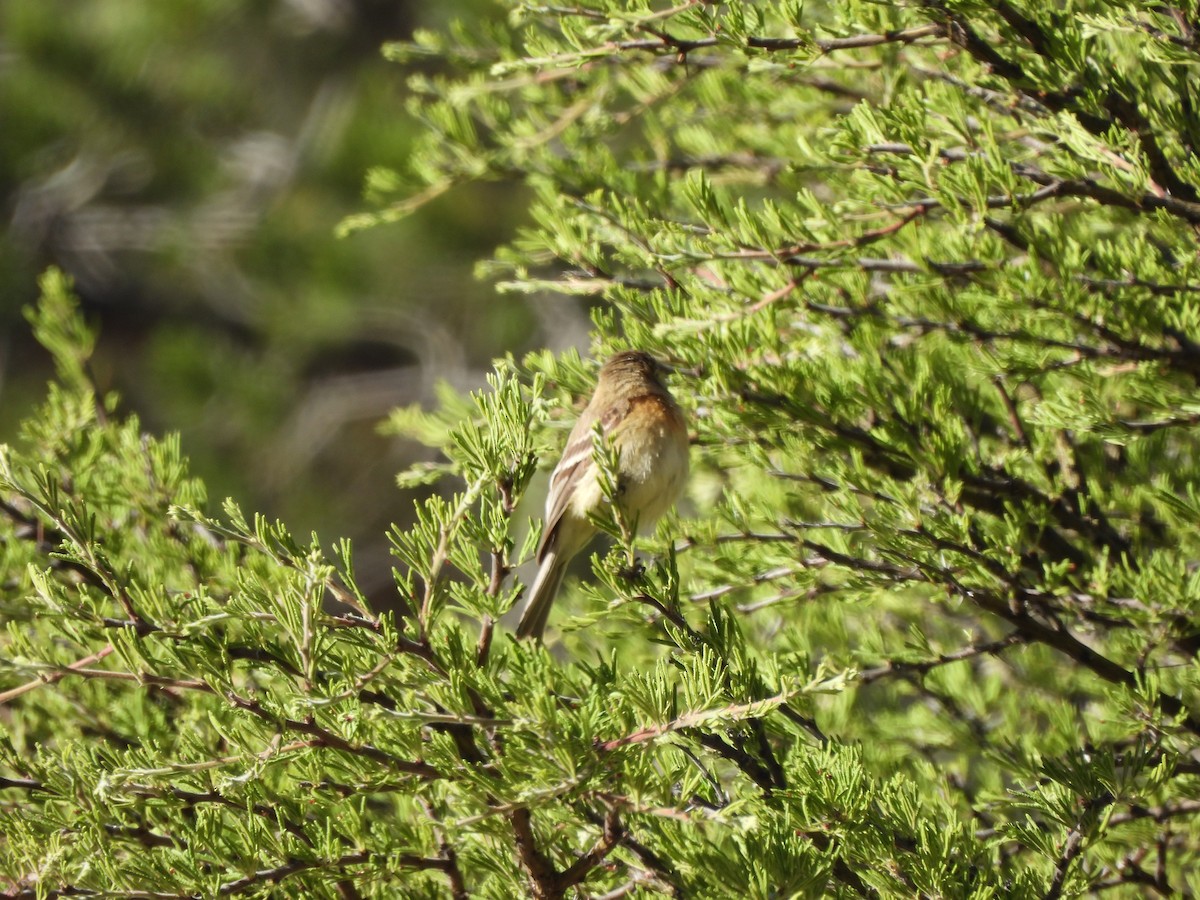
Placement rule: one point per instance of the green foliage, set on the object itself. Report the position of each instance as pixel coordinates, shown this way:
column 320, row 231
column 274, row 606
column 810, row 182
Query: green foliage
column 186, row 162
column 924, row 624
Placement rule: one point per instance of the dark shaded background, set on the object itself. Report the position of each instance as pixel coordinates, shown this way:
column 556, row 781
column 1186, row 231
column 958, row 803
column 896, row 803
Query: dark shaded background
column 187, row 163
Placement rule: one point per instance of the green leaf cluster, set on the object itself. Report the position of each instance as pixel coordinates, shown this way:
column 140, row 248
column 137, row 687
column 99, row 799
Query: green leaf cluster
column 924, row 623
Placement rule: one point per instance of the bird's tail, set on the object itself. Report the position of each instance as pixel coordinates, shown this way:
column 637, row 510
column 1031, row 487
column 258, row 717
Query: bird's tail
column 541, row 596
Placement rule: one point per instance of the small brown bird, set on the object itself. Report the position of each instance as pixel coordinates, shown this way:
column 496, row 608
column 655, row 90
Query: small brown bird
column 639, row 416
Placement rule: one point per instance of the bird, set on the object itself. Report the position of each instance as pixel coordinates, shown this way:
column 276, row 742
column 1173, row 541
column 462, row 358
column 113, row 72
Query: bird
column 648, row 431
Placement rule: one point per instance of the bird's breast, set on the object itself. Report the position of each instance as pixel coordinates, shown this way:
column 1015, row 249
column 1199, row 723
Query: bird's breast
column 654, row 458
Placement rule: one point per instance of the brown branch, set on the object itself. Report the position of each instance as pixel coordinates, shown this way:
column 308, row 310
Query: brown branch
column 1072, row 847
column 989, row 488
column 665, row 42
column 750, row 766
column 1052, row 634
column 327, row 738
column 903, row 36
column 500, row 571
column 458, row 886
column 898, row 667
column 1156, row 288
column 1162, row 813
column 1115, row 102
column 52, row 677
column 144, row 836
column 1129, row 115
column 1147, row 202
column 1133, row 874
column 1027, row 28
column 163, row 681
column 1184, row 206
column 487, row 626
column 756, row 579
column 196, row 798
column 579, row 870
column 738, row 712
column 296, row 866
column 1177, row 196
column 1058, row 637
column 537, row 865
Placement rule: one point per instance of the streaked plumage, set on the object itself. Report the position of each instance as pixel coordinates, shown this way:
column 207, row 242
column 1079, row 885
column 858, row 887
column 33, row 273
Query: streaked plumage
column 639, row 416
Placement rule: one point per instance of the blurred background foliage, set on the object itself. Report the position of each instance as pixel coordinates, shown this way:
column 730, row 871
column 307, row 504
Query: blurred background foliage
column 187, row 163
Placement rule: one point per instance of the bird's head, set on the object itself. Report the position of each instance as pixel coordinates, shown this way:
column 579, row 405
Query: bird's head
column 633, row 366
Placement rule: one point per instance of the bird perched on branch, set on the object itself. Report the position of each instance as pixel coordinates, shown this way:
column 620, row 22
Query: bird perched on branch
column 647, row 431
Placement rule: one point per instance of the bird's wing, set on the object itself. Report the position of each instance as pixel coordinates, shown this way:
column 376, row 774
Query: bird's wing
column 576, row 459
